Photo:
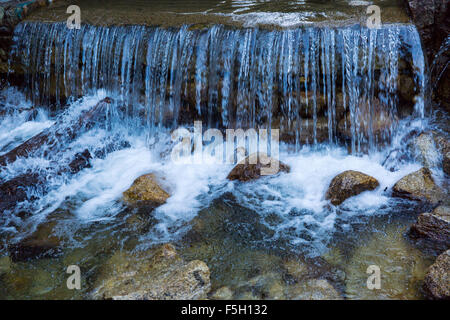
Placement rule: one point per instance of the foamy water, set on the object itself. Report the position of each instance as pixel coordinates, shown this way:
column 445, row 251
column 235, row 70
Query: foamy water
column 297, row 198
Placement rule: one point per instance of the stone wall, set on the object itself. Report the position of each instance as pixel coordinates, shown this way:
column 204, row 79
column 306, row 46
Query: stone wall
column 11, row 13
column 432, row 19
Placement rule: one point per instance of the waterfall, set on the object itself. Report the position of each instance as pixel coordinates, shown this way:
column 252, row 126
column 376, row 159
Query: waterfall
column 304, row 81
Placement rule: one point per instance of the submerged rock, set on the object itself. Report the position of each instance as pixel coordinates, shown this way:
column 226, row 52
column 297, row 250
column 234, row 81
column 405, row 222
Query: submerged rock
column 146, row 190
column 43, row 243
column 347, row 184
column 223, row 293
column 14, row 191
column 255, row 166
column 432, row 149
column 5, row 265
column 313, row 289
column 402, row 266
column 159, row 274
column 437, row 279
column 418, row 185
column 434, row 225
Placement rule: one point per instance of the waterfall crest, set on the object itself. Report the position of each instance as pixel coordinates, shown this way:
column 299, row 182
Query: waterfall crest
column 315, row 84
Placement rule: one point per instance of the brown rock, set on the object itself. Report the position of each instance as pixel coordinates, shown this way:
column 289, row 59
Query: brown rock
column 5, row 265
column 434, row 225
column 254, row 166
column 145, row 190
column 418, row 185
column 159, row 274
column 437, row 279
column 406, row 87
column 307, row 133
column 347, row 184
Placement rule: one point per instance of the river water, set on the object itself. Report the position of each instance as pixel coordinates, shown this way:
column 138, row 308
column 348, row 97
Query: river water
column 229, row 76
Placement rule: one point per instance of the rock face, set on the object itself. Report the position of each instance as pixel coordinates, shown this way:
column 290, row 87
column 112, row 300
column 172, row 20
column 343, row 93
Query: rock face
column 11, row 13
column 437, row 279
column 431, row 19
column 146, row 190
column 443, row 145
column 158, row 275
column 347, row 184
column 434, row 225
column 418, row 185
column 254, row 166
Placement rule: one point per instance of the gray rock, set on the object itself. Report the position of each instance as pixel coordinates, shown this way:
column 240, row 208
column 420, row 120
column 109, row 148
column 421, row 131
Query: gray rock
column 437, row 279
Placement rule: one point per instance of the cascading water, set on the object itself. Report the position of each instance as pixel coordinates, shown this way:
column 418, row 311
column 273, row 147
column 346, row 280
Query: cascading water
column 324, row 88
column 289, row 79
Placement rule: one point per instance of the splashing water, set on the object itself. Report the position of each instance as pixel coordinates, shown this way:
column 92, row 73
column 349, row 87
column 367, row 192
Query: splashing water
column 228, row 77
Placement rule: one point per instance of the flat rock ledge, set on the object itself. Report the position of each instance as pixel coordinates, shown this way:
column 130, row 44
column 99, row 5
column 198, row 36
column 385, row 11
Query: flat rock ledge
column 348, row 184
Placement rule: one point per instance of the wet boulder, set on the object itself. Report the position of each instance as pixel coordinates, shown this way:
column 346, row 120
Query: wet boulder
column 43, row 243
column 425, row 150
column 146, row 190
column 433, row 225
column 419, row 186
column 348, row 184
column 432, row 149
column 14, row 191
column 158, row 274
column 255, row 166
column 437, row 279
column 314, row 289
column 81, row 161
